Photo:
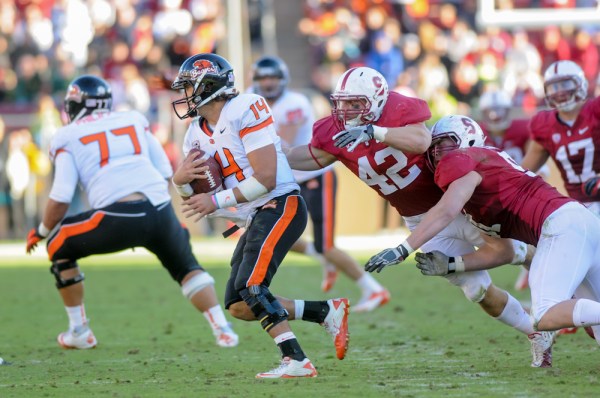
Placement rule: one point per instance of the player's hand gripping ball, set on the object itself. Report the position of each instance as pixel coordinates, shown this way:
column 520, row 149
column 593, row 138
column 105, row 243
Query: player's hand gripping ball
column 590, row 187
column 214, row 180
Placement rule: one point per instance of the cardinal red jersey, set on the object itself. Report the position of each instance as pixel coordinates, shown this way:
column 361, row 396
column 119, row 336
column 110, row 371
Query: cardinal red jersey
column 572, row 148
column 403, row 179
column 513, row 141
column 510, row 202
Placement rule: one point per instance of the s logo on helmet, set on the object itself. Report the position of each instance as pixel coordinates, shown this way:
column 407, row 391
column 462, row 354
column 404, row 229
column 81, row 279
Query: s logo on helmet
column 202, row 64
column 378, row 85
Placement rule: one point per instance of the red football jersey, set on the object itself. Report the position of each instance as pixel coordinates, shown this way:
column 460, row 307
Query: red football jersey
column 572, row 148
column 509, row 202
column 513, row 141
column 403, row 179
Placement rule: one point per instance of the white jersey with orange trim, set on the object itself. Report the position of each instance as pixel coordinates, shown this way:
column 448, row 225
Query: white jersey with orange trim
column 245, row 124
column 294, row 109
column 112, row 155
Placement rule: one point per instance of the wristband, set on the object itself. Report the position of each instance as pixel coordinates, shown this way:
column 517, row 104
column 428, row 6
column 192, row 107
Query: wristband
column 408, row 248
column 42, row 230
column 224, row 199
column 456, row 264
column 184, row 190
column 379, row 133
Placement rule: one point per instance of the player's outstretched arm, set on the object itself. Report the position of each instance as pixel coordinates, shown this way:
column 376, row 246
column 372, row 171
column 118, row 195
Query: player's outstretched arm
column 535, row 157
column 413, row 138
column 308, row 158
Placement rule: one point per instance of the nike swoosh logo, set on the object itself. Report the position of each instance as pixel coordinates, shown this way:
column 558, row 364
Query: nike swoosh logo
column 221, row 132
column 583, row 130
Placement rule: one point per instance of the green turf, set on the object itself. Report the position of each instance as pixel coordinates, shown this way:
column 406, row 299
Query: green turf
column 428, row 342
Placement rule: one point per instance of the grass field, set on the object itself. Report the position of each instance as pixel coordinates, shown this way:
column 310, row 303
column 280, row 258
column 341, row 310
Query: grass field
column 427, row 342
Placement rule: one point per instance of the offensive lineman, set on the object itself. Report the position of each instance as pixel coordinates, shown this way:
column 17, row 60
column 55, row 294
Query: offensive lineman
column 123, row 170
column 238, row 131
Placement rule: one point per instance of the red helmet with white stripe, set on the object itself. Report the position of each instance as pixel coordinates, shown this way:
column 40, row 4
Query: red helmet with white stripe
column 359, row 97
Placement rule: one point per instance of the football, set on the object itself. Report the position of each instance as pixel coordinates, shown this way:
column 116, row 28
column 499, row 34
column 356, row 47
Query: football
column 213, row 180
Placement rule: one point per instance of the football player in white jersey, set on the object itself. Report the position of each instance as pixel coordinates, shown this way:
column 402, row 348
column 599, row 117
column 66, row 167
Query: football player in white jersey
column 124, row 171
column 294, row 117
column 238, row 131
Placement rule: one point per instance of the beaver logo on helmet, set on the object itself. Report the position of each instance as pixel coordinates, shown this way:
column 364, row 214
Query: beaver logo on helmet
column 74, row 93
column 203, row 64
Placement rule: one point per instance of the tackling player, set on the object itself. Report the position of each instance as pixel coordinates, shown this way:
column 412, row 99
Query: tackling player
column 508, row 134
column 381, row 138
column 505, row 200
column 294, row 118
column 238, row 131
column 123, row 170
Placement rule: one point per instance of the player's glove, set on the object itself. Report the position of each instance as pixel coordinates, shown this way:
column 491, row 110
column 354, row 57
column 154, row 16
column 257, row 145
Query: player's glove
column 354, row 135
column 34, row 236
column 591, row 187
column 387, row 257
column 438, row 264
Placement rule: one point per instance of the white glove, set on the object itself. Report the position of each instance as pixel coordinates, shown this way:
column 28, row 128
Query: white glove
column 354, row 135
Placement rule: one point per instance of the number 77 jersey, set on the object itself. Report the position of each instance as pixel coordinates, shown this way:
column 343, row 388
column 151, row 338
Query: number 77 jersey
column 112, row 154
column 245, row 124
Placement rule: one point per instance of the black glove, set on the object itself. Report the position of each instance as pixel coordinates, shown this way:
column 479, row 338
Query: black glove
column 386, row 257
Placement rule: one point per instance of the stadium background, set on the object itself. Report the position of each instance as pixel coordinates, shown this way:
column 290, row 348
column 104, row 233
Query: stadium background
column 446, row 52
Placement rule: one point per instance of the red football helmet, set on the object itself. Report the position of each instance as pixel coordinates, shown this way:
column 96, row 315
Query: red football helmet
column 369, row 92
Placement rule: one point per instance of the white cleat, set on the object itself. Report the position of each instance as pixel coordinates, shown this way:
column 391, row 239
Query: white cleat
column 541, row 349
column 80, row 338
column 336, row 324
column 290, row 368
column 373, row 301
column 226, row 337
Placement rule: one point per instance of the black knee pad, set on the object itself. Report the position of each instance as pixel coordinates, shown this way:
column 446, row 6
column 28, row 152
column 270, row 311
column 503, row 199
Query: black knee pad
column 264, row 306
column 56, row 268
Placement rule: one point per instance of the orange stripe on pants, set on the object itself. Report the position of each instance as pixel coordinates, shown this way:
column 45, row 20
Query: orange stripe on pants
column 70, row 230
column 266, row 251
column 328, row 210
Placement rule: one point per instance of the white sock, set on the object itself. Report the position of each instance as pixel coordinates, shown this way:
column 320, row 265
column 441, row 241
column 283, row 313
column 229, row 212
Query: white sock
column 284, row 336
column 76, row 316
column 215, row 317
column 515, row 315
column 368, row 284
column 310, row 249
column 586, row 313
column 298, row 309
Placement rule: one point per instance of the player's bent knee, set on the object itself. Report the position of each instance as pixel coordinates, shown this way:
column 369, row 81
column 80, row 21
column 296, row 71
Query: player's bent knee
column 196, row 283
column 265, row 307
column 241, row 311
column 57, row 267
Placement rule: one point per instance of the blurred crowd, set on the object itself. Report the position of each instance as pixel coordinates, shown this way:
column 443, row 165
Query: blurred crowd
column 427, row 48
column 433, row 49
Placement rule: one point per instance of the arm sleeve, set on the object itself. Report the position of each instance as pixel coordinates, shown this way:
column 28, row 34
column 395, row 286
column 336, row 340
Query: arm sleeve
column 452, row 167
column 255, row 133
column 65, row 178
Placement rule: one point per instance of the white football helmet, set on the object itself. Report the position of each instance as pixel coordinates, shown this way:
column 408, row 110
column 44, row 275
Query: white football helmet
column 495, row 108
column 565, row 85
column 462, row 130
column 359, row 84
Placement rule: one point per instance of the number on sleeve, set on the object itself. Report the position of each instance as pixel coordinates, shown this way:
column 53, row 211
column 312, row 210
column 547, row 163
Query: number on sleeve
column 258, row 106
